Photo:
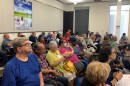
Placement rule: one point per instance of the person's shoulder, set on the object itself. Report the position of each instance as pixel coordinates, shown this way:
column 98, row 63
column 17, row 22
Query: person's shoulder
column 58, row 51
column 4, row 40
column 86, row 83
column 11, row 63
column 32, row 56
column 59, row 48
column 49, row 53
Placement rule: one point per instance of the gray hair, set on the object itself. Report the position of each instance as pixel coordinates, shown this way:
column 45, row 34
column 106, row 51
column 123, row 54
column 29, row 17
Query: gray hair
column 52, row 43
column 35, row 46
column 83, row 34
column 17, row 42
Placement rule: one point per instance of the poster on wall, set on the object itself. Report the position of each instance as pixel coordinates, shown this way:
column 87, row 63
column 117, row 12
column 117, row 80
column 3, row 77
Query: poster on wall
column 22, row 14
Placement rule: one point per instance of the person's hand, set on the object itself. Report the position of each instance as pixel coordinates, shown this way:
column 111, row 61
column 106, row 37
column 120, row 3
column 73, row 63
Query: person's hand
column 66, row 54
column 9, row 44
column 62, row 59
column 55, row 73
column 69, row 46
column 106, row 85
column 81, row 53
column 119, row 75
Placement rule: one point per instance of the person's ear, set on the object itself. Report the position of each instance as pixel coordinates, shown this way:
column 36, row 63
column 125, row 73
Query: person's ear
column 18, row 49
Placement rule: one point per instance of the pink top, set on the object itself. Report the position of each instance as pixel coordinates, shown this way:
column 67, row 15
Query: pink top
column 73, row 58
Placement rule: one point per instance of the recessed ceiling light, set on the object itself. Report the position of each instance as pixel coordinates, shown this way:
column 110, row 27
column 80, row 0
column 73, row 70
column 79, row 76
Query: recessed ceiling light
column 119, row 0
column 75, row 1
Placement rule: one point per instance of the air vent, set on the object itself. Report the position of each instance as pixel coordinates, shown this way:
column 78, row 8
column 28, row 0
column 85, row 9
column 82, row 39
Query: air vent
column 97, row 0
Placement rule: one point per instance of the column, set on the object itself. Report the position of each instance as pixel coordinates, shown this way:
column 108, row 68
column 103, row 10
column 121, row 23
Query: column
column 118, row 19
column 129, row 27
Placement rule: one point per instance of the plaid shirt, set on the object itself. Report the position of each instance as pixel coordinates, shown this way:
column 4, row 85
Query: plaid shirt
column 44, row 65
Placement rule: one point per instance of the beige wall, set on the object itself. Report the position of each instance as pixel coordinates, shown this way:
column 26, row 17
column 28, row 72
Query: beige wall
column 53, row 3
column 45, row 17
column 48, row 16
column 98, row 15
column 14, row 35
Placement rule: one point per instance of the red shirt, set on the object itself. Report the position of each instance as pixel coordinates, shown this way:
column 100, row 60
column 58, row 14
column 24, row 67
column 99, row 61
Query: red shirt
column 68, row 33
column 66, row 40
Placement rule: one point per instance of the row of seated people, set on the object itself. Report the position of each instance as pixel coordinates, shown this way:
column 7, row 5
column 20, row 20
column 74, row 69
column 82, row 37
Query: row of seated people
column 51, row 76
column 90, row 40
column 55, row 60
column 90, row 43
column 84, row 45
column 83, row 42
column 65, row 44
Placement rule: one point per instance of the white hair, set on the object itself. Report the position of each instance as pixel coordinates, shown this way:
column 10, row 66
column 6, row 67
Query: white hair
column 52, row 44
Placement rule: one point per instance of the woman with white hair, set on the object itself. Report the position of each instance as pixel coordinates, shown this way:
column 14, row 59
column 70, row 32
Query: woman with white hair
column 55, row 59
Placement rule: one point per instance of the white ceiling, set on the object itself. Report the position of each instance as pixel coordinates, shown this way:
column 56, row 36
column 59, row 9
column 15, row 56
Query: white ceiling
column 81, row 1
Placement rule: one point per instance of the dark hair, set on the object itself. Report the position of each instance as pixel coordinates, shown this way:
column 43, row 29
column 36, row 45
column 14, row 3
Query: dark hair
column 106, row 41
column 35, row 47
column 58, row 36
column 106, row 38
column 22, row 36
column 92, row 33
column 125, row 46
column 54, row 31
column 120, row 48
column 43, row 33
column 72, row 34
column 124, row 34
column 72, row 39
column 104, row 53
column 39, row 38
column 60, row 42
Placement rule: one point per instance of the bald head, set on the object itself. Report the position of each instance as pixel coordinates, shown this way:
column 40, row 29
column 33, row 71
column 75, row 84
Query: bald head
column 6, row 36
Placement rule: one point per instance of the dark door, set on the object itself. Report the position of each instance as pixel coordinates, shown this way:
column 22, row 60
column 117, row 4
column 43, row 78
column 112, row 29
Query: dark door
column 67, row 21
column 81, row 21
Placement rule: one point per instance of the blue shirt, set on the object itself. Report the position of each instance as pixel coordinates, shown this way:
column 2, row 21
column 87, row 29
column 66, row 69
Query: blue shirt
column 19, row 73
column 33, row 39
column 4, row 44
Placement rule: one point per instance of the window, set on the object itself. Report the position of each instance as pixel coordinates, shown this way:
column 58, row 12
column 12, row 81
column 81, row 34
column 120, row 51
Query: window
column 112, row 19
column 124, row 19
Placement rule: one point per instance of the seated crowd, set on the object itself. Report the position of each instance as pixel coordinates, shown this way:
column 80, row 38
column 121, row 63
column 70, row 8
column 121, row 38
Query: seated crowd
column 56, row 60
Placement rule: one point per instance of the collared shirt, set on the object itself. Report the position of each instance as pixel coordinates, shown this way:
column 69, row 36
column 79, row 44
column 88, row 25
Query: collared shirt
column 44, row 65
column 52, row 58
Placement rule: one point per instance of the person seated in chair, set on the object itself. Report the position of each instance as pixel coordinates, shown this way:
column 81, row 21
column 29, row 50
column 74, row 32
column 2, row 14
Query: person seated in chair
column 56, row 61
column 23, row 69
column 33, row 37
column 50, row 76
column 3, row 58
column 7, row 42
column 96, row 74
column 66, row 48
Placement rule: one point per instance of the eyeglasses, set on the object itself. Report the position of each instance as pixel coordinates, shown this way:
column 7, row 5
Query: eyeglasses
column 42, row 49
column 27, row 44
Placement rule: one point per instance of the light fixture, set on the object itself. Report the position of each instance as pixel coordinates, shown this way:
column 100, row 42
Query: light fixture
column 75, row 1
column 119, row 0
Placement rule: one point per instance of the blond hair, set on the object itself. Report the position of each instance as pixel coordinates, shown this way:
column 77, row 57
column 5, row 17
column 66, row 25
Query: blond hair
column 97, row 72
